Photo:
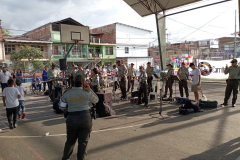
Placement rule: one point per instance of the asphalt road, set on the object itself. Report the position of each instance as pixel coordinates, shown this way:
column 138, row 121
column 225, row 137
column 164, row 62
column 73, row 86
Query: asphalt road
column 132, row 134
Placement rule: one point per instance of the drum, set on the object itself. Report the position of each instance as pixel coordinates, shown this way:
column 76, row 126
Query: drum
column 132, row 100
column 136, row 99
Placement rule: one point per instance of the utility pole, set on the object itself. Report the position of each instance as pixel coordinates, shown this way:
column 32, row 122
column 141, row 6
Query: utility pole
column 235, row 35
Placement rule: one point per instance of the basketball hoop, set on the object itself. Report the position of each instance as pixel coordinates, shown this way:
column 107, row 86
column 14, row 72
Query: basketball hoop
column 77, row 40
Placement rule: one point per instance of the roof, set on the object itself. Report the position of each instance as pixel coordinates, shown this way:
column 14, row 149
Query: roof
column 133, row 27
column 102, row 44
column 146, row 7
column 25, row 40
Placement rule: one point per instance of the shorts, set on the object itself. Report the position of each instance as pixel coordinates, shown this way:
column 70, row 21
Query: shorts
column 194, row 88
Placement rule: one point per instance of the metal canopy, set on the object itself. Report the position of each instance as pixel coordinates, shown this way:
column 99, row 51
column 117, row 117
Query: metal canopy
column 148, row 7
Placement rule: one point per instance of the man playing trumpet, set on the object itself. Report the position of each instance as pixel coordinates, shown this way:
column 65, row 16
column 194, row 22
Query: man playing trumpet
column 131, row 76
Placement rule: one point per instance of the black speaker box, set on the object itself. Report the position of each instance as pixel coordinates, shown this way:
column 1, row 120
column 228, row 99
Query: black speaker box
column 63, row 64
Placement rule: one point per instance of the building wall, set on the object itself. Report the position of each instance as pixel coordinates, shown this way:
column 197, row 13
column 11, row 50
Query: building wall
column 41, row 33
column 109, row 33
column 139, row 62
column 134, row 51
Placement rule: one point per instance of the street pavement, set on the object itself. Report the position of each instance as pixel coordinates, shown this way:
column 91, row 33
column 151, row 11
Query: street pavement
column 132, row 134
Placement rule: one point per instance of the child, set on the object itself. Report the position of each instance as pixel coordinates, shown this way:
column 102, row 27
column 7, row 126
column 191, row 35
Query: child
column 22, row 91
column 10, row 100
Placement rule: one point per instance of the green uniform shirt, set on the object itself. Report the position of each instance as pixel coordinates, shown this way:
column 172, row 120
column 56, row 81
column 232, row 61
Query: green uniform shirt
column 80, row 72
column 72, row 72
column 78, row 99
column 185, row 73
column 170, row 73
column 52, row 73
column 122, row 71
column 150, row 71
column 95, row 81
column 143, row 76
column 233, row 71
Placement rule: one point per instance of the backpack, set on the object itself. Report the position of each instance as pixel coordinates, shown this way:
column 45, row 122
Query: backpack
column 56, row 106
column 108, row 109
column 191, row 104
column 46, row 93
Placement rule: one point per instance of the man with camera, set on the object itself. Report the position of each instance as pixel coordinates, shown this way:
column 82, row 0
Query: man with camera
column 232, row 82
column 79, row 121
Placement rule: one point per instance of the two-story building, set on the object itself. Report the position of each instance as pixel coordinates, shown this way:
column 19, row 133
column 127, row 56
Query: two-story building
column 131, row 42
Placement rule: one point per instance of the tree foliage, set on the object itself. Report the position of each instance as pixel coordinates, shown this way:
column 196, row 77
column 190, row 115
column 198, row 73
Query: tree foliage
column 33, row 55
column 6, row 32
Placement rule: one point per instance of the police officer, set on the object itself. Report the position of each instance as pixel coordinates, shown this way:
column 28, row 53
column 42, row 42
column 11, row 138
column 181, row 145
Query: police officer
column 79, row 120
column 131, row 76
column 122, row 72
column 51, row 74
column 150, row 71
column 143, row 87
column 183, row 74
column 169, row 82
column 95, row 81
column 44, row 78
column 232, row 82
column 71, row 75
column 80, row 70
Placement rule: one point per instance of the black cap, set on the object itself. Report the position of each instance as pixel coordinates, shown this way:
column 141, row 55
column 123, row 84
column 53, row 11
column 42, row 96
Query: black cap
column 118, row 62
column 234, row 61
column 169, row 65
column 80, row 78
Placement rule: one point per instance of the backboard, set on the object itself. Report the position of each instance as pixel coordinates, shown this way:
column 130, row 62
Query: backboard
column 71, row 33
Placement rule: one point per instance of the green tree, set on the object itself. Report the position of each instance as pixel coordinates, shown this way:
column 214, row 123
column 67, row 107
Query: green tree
column 33, row 56
column 6, row 32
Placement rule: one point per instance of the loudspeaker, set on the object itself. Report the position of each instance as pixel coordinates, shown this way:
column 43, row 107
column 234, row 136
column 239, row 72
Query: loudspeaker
column 63, row 64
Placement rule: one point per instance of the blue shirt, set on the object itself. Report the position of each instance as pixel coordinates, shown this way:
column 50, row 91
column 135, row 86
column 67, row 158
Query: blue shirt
column 44, row 73
column 35, row 80
column 19, row 75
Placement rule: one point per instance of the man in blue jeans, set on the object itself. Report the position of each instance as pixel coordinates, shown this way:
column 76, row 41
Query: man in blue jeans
column 4, row 77
column 44, row 78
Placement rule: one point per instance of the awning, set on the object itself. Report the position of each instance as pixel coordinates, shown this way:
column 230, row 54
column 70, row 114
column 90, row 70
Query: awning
column 26, row 41
column 148, row 7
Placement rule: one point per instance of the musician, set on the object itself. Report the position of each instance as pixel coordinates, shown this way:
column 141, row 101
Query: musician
column 52, row 74
column 95, row 81
column 122, row 72
column 150, row 71
column 115, row 70
column 169, row 81
column 183, row 74
column 80, row 70
column 103, row 72
column 71, row 75
column 143, row 87
column 131, row 76
column 232, row 82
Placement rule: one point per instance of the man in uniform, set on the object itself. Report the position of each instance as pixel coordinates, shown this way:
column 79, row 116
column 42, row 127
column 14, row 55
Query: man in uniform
column 71, row 75
column 183, row 74
column 80, row 70
column 122, row 72
column 143, row 87
column 131, row 76
column 79, row 120
column 150, row 71
column 52, row 74
column 95, row 81
column 232, row 82
column 169, row 82
column 44, row 78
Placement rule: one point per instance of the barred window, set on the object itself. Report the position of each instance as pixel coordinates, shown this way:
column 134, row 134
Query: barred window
column 9, row 49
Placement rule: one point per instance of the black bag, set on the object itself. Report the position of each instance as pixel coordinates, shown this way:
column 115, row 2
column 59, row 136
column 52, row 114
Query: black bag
column 134, row 94
column 208, row 104
column 191, row 104
column 152, row 97
column 104, row 110
column 185, row 111
column 56, row 106
column 181, row 100
column 46, row 93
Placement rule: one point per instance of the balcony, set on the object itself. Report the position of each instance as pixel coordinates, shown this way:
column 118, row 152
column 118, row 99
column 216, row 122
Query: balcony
column 96, row 55
column 102, row 40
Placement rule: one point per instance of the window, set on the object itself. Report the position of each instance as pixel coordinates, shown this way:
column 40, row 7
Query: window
column 9, row 49
column 208, row 42
column 97, row 49
column 77, row 50
column 90, row 49
column 126, row 49
column 40, row 47
column 109, row 50
column 57, row 50
column 55, row 27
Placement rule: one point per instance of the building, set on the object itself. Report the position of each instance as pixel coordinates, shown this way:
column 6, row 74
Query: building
column 131, row 42
column 208, row 48
column 226, row 47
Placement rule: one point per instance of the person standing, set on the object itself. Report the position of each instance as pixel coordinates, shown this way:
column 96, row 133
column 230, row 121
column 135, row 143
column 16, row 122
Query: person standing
column 71, row 75
column 10, row 100
column 14, row 77
column 104, row 75
column 19, row 75
column 51, row 74
column 122, row 72
column 169, row 81
column 95, row 80
column 143, row 87
column 4, row 77
column 232, row 82
column 115, row 70
column 80, row 71
column 79, row 120
column 131, row 76
column 150, row 71
column 44, row 78
column 196, row 80
column 183, row 74
column 21, row 105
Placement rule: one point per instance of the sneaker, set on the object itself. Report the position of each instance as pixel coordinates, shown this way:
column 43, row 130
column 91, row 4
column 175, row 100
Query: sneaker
column 10, row 126
column 19, row 117
column 125, row 98
column 146, row 106
column 165, row 96
column 23, row 115
column 224, row 104
column 15, row 125
column 233, row 105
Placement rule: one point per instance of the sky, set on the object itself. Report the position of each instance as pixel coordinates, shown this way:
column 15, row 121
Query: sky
column 216, row 21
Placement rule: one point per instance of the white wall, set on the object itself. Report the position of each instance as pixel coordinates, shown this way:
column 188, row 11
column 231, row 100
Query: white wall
column 127, row 36
column 139, row 62
column 1, row 45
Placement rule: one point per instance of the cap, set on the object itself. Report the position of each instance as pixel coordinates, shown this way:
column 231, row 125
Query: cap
column 169, row 65
column 18, row 81
column 80, row 78
column 118, row 61
column 132, row 63
column 234, row 61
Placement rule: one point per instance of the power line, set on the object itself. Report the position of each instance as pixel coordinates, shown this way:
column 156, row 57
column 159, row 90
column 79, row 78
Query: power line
column 204, row 25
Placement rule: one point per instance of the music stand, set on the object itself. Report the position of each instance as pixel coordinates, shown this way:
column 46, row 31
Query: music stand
column 176, row 79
